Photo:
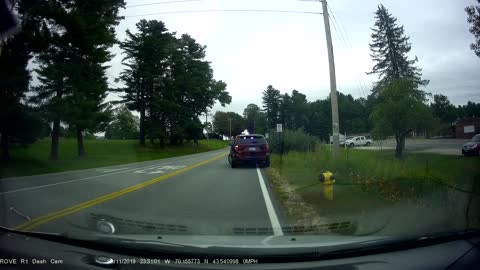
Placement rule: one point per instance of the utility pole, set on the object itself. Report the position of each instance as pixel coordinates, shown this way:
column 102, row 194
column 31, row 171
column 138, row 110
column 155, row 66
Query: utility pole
column 333, row 83
column 230, row 120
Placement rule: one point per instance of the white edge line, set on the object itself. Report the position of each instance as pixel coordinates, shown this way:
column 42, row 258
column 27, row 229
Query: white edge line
column 88, row 178
column 106, row 167
column 70, row 181
column 277, row 229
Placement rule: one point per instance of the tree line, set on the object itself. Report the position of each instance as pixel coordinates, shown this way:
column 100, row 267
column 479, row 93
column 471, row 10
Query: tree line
column 314, row 117
column 167, row 80
column 396, row 106
column 169, row 84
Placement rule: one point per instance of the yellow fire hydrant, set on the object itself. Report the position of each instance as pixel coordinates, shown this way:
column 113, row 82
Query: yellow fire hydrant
column 328, row 179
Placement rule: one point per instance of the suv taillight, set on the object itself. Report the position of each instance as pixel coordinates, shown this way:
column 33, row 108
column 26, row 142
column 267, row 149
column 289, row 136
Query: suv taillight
column 265, row 147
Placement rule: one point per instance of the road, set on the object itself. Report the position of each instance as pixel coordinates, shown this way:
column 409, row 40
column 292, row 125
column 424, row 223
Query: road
column 195, row 194
column 437, row 146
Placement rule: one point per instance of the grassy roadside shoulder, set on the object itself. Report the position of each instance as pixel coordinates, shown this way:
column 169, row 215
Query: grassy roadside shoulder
column 34, row 159
column 373, row 181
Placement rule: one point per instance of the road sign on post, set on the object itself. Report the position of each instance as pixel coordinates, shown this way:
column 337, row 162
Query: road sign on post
column 279, row 128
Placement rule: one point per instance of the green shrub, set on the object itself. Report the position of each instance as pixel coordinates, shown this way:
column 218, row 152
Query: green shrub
column 293, row 140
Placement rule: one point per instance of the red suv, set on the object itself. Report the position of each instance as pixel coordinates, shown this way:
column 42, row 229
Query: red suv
column 249, row 148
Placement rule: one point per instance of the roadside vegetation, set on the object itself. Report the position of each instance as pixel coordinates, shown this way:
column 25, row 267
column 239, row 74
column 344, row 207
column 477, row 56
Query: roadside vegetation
column 373, row 180
column 32, row 160
column 167, row 86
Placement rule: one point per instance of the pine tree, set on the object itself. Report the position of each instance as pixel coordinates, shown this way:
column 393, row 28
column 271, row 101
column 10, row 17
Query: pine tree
column 474, row 19
column 168, row 82
column 146, row 56
column 271, row 105
column 286, row 111
column 51, row 92
column 14, row 81
column 15, row 77
column 72, row 73
column 390, row 48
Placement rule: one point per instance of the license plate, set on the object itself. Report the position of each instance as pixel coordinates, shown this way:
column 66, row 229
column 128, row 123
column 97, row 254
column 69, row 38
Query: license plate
column 252, row 149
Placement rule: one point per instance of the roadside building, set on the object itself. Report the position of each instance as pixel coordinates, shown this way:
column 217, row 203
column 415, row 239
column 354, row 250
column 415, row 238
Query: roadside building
column 466, row 128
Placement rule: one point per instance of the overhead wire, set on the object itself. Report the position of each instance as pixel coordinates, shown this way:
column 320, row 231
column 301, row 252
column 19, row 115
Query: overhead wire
column 224, row 10
column 340, row 22
column 160, row 3
column 363, row 85
column 179, row 12
column 337, row 29
column 343, row 30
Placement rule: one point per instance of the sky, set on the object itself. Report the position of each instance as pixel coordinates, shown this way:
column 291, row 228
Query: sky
column 251, row 50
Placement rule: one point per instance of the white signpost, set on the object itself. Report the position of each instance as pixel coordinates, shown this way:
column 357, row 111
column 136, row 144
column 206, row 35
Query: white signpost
column 279, row 128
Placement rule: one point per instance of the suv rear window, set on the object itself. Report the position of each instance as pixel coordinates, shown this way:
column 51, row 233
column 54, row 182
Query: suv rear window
column 251, row 139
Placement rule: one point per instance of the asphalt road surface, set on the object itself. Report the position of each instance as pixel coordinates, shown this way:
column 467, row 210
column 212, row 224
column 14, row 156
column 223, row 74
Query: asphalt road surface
column 436, row 146
column 194, row 194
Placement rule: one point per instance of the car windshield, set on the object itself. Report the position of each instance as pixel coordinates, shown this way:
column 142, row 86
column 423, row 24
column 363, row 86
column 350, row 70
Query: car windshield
column 251, row 140
column 224, row 123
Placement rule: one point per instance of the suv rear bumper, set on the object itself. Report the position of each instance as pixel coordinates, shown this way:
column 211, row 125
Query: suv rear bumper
column 470, row 151
column 250, row 158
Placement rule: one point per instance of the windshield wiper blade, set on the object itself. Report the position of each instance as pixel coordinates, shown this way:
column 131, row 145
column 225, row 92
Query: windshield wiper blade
column 401, row 243
column 43, row 235
column 106, row 243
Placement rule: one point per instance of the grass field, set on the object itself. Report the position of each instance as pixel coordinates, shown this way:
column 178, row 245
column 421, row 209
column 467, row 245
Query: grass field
column 304, row 168
column 374, row 180
column 34, row 159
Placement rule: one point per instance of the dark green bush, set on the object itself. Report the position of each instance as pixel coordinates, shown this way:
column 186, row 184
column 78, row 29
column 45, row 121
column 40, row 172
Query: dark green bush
column 293, row 140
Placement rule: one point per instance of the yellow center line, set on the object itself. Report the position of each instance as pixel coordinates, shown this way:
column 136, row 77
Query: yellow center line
column 73, row 209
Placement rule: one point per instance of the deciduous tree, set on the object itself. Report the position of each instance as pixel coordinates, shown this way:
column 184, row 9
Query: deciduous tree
column 124, row 125
column 400, row 110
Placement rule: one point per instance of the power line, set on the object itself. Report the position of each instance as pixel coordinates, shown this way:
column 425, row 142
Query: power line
column 85, row 59
column 341, row 23
column 342, row 29
column 337, row 28
column 334, row 22
column 161, row 3
column 225, row 10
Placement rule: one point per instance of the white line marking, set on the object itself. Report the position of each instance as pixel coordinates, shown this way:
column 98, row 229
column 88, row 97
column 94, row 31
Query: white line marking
column 159, row 169
column 155, row 172
column 277, row 229
column 126, row 164
column 91, row 177
column 66, row 182
column 110, row 170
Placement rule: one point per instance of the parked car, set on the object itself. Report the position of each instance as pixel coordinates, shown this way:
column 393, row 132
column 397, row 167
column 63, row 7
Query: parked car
column 472, row 148
column 358, row 141
column 251, row 148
